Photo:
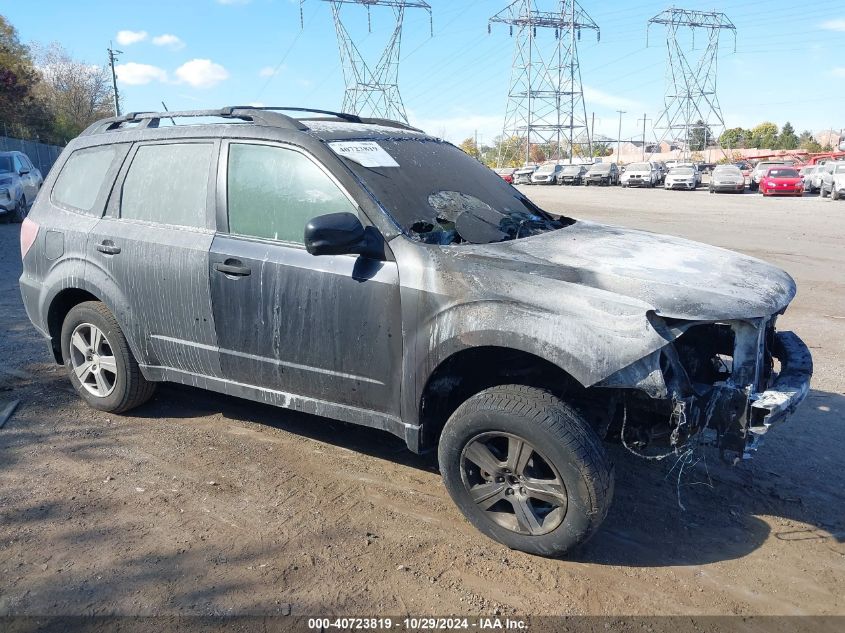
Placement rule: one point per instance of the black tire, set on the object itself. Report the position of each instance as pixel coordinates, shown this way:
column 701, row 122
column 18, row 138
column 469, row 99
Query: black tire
column 834, row 192
column 130, row 388
column 567, row 444
column 822, row 192
column 20, row 210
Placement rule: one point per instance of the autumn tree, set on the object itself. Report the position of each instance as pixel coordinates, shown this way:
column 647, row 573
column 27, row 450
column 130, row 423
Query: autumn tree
column 469, row 146
column 75, row 93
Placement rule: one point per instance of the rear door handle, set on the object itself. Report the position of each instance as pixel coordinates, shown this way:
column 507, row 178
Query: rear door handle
column 108, row 247
column 233, row 267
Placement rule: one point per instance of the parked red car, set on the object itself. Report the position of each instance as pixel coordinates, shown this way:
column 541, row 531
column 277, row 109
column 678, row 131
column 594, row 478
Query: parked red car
column 782, row 180
column 506, row 174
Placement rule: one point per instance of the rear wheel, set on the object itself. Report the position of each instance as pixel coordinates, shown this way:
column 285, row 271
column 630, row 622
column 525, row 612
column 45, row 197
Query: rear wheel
column 526, row 469
column 834, row 192
column 99, row 362
column 822, row 192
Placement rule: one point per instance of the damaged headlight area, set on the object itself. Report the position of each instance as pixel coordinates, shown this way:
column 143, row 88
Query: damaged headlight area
column 724, row 383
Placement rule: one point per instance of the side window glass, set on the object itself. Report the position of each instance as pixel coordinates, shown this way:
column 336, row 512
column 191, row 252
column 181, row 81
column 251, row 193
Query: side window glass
column 168, row 184
column 273, row 192
column 18, row 163
column 83, row 177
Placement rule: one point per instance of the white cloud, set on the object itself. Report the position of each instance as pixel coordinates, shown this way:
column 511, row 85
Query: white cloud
column 839, row 72
column 126, row 38
column 170, row 41
column 594, row 97
column 201, row 73
column 267, row 71
column 834, row 25
column 135, row 74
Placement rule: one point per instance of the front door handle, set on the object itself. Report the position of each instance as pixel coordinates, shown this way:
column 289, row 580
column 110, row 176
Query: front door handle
column 108, row 247
column 233, row 267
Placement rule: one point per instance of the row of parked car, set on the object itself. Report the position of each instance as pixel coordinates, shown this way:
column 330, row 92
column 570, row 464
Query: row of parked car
column 769, row 177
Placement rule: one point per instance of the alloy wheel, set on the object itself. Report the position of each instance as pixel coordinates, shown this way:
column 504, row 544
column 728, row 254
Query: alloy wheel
column 93, row 360
column 515, row 485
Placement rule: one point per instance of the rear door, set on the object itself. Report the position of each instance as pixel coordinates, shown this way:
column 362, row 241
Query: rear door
column 151, row 250
column 326, row 328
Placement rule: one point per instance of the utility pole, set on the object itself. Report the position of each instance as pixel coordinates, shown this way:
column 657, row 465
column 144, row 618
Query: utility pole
column 619, row 135
column 112, row 59
column 592, row 135
column 644, row 120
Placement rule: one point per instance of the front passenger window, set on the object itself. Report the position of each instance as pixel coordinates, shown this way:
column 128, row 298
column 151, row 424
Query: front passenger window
column 273, row 192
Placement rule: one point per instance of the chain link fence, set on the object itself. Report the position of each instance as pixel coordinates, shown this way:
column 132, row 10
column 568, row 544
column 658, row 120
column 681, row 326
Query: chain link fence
column 42, row 155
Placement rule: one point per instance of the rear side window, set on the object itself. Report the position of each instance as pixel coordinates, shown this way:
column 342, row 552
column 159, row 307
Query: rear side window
column 273, row 192
column 168, row 184
column 83, row 177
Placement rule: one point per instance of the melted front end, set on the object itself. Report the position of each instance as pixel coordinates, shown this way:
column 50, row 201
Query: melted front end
column 723, row 382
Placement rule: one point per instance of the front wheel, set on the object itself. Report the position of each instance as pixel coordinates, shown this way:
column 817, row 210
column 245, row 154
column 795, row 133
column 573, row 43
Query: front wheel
column 834, row 192
column 526, row 469
column 20, row 210
column 99, row 362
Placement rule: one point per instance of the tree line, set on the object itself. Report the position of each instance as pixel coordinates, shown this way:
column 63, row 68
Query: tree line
column 766, row 135
column 46, row 94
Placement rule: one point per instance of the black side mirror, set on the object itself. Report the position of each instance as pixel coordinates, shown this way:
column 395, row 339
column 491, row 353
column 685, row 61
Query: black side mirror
column 342, row 234
column 23, row 172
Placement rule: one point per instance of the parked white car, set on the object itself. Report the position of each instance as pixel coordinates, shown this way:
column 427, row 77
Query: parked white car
column 522, row 176
column 832, row 180
column 684, row 177
column 640, row 175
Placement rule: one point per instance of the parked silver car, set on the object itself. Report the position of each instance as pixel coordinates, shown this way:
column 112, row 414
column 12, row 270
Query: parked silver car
column 727, row 178
column 832, row 180
column 523, row 176
column 546, row 174
column 572, row 175
column 20, row 182
column 808, row 173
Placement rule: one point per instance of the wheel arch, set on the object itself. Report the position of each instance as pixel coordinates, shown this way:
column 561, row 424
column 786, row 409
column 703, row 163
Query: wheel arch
column 471, row 370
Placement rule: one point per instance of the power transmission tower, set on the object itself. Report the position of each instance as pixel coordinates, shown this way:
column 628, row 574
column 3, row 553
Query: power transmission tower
column 545, row 100
column 373, row 90
column 691, row 102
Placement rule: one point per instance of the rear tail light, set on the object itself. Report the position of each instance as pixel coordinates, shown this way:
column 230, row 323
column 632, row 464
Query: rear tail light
column 29, row 231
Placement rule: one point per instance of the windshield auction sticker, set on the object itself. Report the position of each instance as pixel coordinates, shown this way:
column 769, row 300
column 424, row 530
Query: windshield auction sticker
column 366, row 153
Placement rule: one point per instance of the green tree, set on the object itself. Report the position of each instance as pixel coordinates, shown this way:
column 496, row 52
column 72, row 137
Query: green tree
column 787, row 139
column 735, row 138
column 18, row 78
column 700, row 136
column 765, row 136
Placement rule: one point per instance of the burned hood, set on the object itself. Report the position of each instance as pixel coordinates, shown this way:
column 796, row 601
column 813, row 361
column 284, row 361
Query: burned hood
column 676, row 278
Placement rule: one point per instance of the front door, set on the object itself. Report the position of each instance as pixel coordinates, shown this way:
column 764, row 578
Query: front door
column 325, row 328
column 151, row 250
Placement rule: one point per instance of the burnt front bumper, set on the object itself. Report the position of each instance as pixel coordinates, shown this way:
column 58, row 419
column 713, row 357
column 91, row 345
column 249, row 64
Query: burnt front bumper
column 789, row 388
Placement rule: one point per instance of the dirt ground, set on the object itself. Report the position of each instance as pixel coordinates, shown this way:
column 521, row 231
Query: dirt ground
column 203, row 504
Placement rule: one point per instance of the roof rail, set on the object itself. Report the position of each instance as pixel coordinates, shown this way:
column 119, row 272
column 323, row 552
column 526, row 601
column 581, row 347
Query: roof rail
column 269, row 116
column 152, row 119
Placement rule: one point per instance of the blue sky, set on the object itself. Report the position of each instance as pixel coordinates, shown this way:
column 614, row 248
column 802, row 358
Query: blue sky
column 789, row 64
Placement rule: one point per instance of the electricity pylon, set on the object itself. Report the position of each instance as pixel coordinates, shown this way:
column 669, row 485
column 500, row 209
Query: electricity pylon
column 691, row 102
column 545, row 100
column 373, row 90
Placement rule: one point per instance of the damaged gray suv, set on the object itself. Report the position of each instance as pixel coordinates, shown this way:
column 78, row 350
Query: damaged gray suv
column 361, row 270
